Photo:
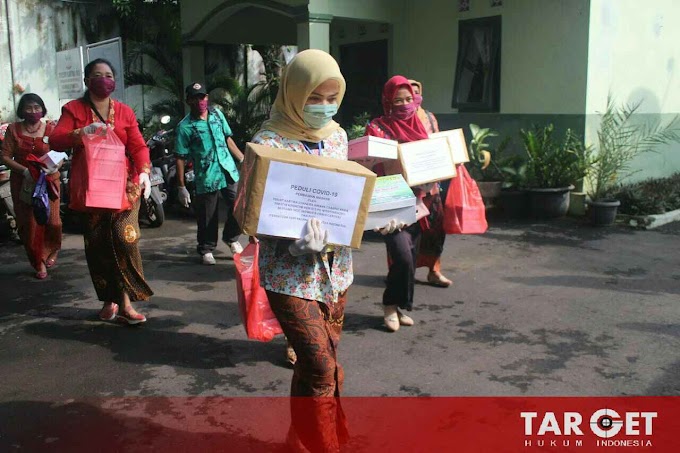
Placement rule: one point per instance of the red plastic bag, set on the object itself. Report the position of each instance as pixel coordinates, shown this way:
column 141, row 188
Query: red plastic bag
column 256, row 314
column 99, row 174
column 464, row 211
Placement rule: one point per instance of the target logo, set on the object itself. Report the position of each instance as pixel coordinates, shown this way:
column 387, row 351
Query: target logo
column 604, row 423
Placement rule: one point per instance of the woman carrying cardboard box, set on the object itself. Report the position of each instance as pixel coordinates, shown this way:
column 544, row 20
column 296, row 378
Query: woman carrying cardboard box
column 111, row 238
column 432, row 241
column 400, row 122
column 306, row 279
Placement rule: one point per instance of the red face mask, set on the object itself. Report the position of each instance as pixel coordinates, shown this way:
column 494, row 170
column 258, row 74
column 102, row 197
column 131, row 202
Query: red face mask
column 404, row 112
column 417, row 100
column 32, row 117
column 202, row 105
column 102, row 87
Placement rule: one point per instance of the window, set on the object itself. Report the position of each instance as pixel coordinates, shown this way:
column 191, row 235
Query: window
column 478, row 66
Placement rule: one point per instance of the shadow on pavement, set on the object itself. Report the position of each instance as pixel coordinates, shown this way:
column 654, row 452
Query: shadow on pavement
column 150, row 344
column 125, row 425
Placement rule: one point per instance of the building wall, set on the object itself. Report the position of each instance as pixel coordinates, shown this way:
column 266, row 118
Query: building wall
column 634, row 55
column 33, row 31
column 272, row 28
column 544, row 49
column 211, row 15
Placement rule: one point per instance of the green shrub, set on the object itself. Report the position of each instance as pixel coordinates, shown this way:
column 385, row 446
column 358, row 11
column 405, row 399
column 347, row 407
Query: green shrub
column 652, row 196
column 358, row 127
column 552, row 163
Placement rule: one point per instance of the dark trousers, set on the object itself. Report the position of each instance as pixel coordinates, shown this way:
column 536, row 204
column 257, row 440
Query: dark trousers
column 402, row 250
column 206, row 209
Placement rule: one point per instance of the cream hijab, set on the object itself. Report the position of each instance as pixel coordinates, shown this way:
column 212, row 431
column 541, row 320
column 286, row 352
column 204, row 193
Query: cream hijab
column 309, row 69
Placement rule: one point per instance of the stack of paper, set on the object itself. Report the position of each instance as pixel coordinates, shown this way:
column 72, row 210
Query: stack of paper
column 392, row 199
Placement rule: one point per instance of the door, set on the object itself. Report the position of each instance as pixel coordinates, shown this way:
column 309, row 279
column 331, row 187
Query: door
column 364, row 66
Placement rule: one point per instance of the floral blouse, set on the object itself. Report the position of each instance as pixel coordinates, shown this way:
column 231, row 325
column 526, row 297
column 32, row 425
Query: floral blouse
column 310, row 276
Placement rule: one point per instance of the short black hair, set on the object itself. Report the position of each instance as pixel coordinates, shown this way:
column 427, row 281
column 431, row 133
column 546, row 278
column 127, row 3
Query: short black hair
column 25, row 99
column 90, row 66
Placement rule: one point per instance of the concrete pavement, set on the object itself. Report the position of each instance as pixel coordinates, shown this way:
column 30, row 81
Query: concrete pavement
column 554, row 308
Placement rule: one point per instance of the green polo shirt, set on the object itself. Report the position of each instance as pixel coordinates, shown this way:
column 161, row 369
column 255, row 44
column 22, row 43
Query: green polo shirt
column 205, row 143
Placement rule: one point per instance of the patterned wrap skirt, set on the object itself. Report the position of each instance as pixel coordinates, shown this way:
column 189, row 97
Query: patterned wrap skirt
column 113, row 258
column 313, row 329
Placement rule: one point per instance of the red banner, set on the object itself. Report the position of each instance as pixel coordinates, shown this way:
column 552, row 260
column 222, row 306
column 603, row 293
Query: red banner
column 461, row 425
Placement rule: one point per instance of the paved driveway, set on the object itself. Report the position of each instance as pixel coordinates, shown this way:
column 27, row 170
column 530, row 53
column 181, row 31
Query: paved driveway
column 552, row 308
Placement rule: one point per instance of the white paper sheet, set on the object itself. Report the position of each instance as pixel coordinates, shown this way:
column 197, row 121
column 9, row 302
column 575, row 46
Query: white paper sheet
column 427, row 161
column 293, row 194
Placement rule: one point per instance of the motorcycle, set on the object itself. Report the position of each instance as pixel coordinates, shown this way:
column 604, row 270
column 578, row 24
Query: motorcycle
column 7, row 214
column 8, row 222
column 163, row 160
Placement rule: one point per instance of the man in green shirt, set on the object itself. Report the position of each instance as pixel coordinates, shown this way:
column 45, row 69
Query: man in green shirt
column 205, row 137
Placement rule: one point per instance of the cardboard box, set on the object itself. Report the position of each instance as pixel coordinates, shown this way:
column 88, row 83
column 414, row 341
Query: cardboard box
column 280, row 190
column 392, row 199
column 426, row 161
column 456, row 138
column 52, row 159
column 370, row 147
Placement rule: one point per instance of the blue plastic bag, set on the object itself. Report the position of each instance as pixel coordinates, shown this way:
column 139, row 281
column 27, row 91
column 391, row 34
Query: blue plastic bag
column 41, row 201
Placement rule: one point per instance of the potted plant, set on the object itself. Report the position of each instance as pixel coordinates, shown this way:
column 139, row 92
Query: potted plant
column 620, row 139
column 358, row 127
column 484, row 167
column 514, row 198
column 552, row 169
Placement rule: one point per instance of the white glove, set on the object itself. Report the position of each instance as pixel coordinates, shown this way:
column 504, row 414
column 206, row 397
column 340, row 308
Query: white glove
column 183, row 196
column 92, row 128
column 391, row 227
column 145, row 183
column 314, row 241
column 27, row 175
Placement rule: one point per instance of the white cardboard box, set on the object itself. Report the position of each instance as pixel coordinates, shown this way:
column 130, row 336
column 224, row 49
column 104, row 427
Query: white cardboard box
column 370, row 147
column 392, row 199
column 456, row 138
column 426, row 161
column 52, row 159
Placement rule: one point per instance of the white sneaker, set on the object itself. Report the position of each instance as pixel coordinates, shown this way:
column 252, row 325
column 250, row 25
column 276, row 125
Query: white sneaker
column 235, row 248
column 209, row 259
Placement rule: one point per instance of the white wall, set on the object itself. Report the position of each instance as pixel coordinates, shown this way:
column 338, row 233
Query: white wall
column 543, row 52
column 34, row 31
column 634, row 54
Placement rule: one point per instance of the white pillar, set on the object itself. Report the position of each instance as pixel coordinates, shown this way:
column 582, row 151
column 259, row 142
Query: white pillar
column 193, row 56
column 314, row 33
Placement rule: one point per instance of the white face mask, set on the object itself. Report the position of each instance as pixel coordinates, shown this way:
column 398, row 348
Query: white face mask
column 317, row 116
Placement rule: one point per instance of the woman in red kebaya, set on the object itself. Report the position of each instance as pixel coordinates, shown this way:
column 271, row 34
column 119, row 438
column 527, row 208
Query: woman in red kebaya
column 111, row 238
column 25, row 140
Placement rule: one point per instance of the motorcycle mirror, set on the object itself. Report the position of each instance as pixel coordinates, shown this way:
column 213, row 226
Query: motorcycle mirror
column 165, row 119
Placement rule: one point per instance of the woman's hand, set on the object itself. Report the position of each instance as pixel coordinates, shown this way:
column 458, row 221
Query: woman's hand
column 392, row 226
column 145, row 184
column 314, row 241
column 93, row 128
column 27, row 175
